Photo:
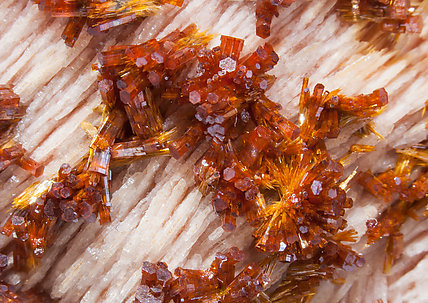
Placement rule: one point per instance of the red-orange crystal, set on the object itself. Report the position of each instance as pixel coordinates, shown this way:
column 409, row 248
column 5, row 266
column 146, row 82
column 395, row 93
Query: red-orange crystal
column 216, row 284
column 11, row 111
column 404, row 195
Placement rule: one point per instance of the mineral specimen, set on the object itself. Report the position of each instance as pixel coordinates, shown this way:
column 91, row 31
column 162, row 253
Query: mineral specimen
column 260, row 165
column 81, row 191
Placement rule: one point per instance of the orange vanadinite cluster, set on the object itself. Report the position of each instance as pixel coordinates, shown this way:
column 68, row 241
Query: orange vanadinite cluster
column 392, row 16
column 131, row 128
column 302, row 277
column 11, row 111
column 99, row 15
column 75, row 193
column 260, row 165
column 216, row 284
column 404, row 192
column 273, row 157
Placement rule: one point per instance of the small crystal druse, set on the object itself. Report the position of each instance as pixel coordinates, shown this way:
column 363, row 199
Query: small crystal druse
column 216, row 284
column 99, row 15
column 260, row 165
column 398, row 16
column 404, row 189
column 11, row 152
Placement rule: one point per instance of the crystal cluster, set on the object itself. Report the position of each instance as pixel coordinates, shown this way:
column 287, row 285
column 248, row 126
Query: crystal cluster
column 216, row 284
column 392, row 16
column 396, row 16
column 99, row 15
column 82, row 191
column 265, row 11
column 13, row 153
column 131, row 128
column 302, row 278
column 262, row 166
column 39, row 210
column 11, row 111
column 404, row 194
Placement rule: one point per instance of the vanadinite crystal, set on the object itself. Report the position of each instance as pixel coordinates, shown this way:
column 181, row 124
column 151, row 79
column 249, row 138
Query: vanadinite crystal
column 99, row 15
column 404, row 192
column 81, row 191
column 256, row 151
column 216, row 284
column 11, row 111
column 302, row 278
column 392, row 16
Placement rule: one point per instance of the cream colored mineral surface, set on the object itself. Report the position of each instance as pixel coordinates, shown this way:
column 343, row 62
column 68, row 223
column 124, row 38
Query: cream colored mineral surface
column 158, row 213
